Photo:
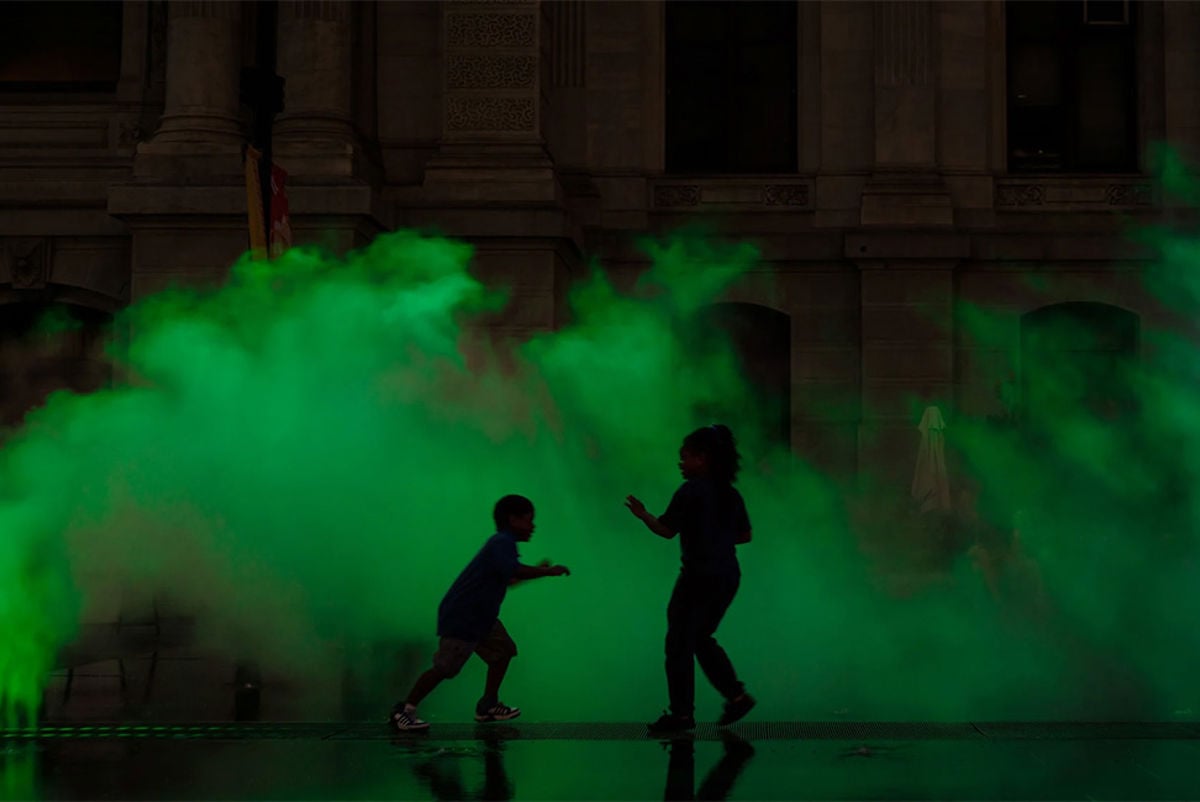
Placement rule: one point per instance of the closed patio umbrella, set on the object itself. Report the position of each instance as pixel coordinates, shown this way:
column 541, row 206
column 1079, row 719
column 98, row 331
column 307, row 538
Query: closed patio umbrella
column 931, row 485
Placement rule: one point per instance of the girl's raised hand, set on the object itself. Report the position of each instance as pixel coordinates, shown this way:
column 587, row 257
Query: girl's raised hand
column 635, row 506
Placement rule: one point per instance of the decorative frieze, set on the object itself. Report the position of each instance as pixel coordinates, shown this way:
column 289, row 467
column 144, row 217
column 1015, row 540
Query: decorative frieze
column 471, row 30
column 1020, row 195
column 676, row 195
column 1074, row 194
column 786, row 195
column 732, row 194
column 491, row 114
column 491, row 72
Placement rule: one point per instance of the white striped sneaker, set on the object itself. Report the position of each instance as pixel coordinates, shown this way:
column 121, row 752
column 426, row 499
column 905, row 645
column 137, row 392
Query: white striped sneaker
column 405, row 721
column 497, row 712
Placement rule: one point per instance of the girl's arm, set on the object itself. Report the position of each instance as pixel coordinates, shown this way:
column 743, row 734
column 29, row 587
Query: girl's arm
column 653, row 524
column 743, row 538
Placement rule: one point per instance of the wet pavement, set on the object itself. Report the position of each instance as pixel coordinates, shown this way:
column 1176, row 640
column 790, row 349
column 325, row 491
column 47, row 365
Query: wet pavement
column 123, row 724
column 754, row 760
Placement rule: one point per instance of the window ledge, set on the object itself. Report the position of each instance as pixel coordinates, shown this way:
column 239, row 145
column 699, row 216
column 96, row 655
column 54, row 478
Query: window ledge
column 784, row 193
column 1076, row 193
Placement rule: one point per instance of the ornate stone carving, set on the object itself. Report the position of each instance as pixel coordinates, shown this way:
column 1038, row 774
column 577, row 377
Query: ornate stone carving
column 1128, row 195
column 677, row 195
column 475, row 30
column 27, row 261
column 129, row 133
column 476, row 113
column 1020, row 195
column 491, row 72
column 785, row 195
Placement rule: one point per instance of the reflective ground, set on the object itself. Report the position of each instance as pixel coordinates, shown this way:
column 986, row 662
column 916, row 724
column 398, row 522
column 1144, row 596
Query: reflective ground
column 603, row 761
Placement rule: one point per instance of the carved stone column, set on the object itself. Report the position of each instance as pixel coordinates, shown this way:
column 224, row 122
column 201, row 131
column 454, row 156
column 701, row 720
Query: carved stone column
column 493, row 105
column 200, row 134
column 905, row 189
column 314, row 135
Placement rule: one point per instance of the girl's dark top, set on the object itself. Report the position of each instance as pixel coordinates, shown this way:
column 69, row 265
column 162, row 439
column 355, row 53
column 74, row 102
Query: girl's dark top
column 708, row 516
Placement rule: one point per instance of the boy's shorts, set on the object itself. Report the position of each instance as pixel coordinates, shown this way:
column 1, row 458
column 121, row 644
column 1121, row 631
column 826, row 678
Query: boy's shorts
column 453, row 653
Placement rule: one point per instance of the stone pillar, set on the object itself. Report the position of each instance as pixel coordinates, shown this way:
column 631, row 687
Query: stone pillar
column 331, row 181
column 566, row 125
column 905, row 188
column 492, row 148
column 314, row 136
column 1181, row 57
column 199, row 135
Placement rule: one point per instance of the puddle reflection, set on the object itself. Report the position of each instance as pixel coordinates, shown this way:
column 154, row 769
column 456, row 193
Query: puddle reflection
column 719, row 782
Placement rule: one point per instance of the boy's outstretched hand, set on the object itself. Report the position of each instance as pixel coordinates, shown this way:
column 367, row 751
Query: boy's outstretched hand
column 554, row 570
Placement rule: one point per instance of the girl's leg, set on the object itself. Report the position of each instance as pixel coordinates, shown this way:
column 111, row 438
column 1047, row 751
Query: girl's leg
column 681, row 649
column 714, row 662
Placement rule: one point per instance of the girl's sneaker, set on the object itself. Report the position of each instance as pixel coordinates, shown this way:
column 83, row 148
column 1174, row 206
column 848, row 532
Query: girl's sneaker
column 736, row 709
column 669, row 722
column 406, row 720
column 496, row 712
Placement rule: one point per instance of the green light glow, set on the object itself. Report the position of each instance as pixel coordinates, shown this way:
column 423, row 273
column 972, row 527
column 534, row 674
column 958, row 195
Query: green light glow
column 308, row 455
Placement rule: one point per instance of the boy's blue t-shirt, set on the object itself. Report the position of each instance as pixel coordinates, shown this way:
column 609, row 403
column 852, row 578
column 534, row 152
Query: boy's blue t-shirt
column 472, row 605
column 708, row 516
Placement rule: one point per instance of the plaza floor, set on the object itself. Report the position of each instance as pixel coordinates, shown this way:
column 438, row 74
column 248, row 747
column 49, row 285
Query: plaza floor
column 545, row 761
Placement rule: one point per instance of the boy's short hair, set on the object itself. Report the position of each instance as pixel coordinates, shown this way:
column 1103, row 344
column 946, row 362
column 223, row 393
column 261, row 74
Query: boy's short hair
column 508, row 506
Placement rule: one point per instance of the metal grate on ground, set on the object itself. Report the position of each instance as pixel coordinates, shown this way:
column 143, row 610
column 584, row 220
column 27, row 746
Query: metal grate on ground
column 1091, row 730
column 542, row 731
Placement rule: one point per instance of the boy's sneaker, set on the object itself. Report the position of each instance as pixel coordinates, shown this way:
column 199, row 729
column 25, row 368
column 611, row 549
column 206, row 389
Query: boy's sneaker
column 669, row 722
column 406, row 720
column 736, row 709
column 496, row 712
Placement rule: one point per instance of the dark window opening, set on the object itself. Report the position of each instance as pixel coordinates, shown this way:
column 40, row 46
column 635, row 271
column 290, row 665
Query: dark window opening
column 1076, row 359
column 67, row 46
column 46, row 347
column 1072, row 86
column 731, row 87
column 761, row 342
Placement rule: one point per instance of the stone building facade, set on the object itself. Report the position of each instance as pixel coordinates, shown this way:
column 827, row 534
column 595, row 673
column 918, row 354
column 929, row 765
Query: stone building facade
column 890, row 158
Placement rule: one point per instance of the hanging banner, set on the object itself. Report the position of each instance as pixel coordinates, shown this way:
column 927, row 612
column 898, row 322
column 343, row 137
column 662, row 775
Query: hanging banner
column 254, row 203
column 281, row 223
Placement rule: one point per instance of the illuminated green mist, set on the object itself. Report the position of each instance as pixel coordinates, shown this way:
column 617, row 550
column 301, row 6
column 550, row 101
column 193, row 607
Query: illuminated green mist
column 308, row 455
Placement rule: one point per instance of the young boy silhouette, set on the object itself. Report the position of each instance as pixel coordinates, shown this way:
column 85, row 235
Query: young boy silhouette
column 469, row 617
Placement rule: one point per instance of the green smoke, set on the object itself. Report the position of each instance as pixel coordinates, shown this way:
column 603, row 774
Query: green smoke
column 307, row 455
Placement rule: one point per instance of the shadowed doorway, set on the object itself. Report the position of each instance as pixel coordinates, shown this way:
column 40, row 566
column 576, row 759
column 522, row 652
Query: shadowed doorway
column 762, row 345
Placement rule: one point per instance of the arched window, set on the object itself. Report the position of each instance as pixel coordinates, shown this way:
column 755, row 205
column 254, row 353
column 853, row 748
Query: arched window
column 1075, row 358
column 730, row 86
column 1072, row 86
column 761, row 339
column 46, row 347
